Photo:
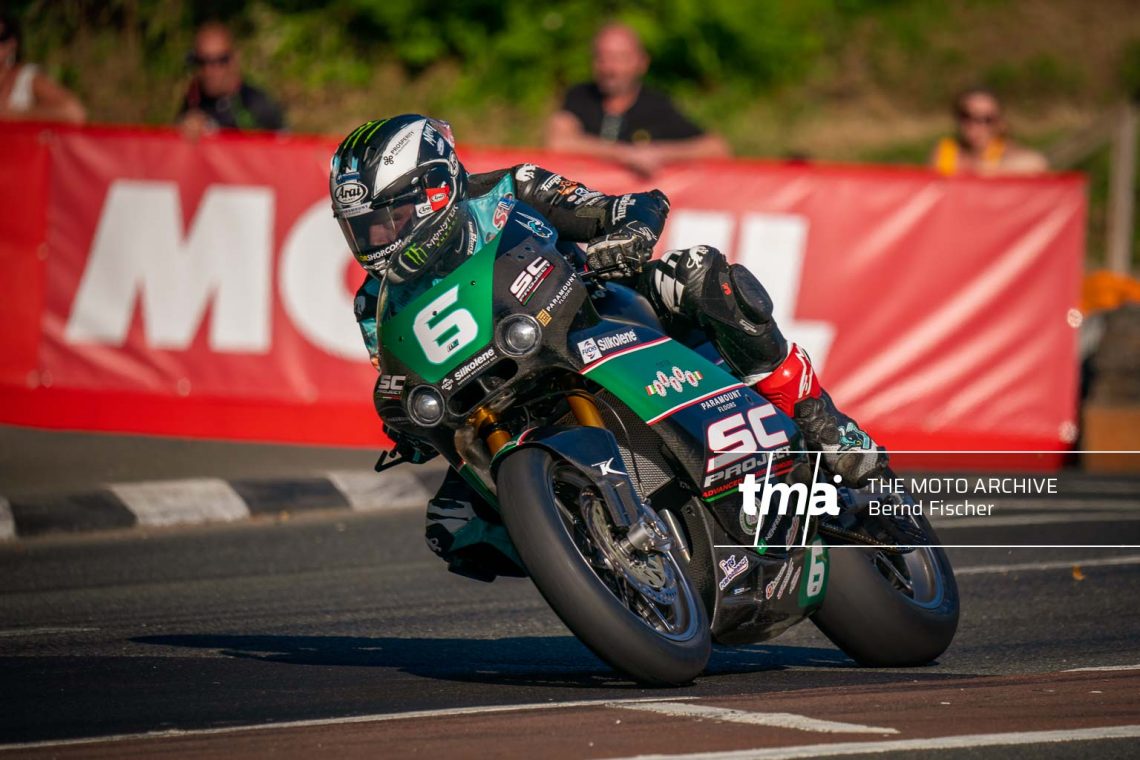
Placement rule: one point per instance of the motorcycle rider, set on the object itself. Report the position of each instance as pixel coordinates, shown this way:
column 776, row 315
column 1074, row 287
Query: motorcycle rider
column 405, row 203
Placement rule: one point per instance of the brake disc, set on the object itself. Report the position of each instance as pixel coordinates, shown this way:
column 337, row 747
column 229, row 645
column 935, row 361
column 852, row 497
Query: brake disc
column 649, row 573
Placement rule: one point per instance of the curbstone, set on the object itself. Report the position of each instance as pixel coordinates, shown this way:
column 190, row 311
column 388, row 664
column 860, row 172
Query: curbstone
column 181, row 502
column 7, row 524
column 366, row 492
column 203, row 500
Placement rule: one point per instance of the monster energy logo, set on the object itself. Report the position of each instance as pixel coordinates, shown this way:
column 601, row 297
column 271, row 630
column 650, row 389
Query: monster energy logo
column 416, row 255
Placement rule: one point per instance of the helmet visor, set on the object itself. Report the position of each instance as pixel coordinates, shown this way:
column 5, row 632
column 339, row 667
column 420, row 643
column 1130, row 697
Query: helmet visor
column 372, row 229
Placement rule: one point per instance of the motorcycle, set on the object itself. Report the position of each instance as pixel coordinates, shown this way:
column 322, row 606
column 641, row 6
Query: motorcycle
column 615, row 456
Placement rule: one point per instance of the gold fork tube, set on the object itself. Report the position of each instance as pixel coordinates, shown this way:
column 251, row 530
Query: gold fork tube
column 585, row 410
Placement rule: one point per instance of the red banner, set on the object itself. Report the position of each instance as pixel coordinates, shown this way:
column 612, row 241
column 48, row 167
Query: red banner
column 160, row 286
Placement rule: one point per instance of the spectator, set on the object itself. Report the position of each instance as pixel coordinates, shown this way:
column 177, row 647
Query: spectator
column 616, row 118
column 217, row 97
column 26, row 93
column 981, row 145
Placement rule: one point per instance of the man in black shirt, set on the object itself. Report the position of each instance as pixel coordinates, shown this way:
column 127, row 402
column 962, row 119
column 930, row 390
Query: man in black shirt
column 617, row 118
column 217, row 98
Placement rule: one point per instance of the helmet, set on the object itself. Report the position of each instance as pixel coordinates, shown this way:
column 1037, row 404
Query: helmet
column 396, row 185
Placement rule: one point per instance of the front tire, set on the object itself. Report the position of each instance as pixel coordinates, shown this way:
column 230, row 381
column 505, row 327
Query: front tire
column 655, row 642
column 890, row 610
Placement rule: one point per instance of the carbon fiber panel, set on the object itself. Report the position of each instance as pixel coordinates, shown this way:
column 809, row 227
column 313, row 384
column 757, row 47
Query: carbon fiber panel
column 645, row 464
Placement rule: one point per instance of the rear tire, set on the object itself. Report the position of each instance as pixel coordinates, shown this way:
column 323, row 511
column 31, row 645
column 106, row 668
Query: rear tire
column 872, row 616
column 554, row 550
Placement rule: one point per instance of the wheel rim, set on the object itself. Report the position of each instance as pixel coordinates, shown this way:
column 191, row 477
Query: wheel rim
column 650, row 585
column 915, row 575
column 918, row 573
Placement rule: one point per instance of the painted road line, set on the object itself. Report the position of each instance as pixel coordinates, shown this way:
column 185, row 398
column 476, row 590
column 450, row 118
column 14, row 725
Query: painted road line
column 366, row 491
column 1100, row 668
column 967, row 741
column 317, row 722
column 18, row 632
column 7, row 522
column 1128, row 559
column 1001, row 521
column 772, row 720
column 180, row 502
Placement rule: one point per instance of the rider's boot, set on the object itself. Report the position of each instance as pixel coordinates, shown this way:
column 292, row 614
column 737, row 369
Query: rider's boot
column 794, row 389
column 458, row 533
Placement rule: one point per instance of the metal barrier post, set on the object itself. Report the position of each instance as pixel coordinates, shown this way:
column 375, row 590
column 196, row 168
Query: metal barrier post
column 1121, row 190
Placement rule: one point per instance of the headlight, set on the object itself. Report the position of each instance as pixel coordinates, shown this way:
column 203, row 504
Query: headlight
column 425, row 406
column 519, row 335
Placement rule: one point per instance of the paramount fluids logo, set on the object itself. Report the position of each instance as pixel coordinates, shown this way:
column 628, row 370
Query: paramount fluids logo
column 795, row 498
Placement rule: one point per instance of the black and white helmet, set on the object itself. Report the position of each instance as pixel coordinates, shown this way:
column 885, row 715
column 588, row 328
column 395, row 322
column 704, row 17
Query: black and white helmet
column 396, row 185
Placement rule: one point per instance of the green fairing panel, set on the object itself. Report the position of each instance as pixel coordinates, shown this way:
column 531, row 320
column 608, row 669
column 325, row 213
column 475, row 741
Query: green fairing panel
column 450, row 322
column 452, row 319
column 658, row 377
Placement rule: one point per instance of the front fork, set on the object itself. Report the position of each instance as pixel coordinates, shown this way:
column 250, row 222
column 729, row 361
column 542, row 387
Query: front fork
column 495, row 435
column 643, row 530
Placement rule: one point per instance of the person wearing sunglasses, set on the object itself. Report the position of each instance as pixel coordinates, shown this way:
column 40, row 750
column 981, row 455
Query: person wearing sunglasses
column 218, row 97
column 982, row 145
column 26, row 93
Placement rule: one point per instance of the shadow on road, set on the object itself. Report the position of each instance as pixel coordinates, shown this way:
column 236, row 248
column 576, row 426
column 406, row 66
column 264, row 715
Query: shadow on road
column 521, row 660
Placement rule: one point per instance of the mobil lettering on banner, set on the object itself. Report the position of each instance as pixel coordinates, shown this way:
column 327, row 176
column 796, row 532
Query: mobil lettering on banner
column 162, row 286
column 193, row 281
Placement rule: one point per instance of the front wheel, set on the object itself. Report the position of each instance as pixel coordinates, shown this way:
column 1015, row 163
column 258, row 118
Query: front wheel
column 886, row 609
column 636, row 610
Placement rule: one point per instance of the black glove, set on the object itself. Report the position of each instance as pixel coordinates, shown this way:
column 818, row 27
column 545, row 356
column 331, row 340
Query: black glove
column 621, row 253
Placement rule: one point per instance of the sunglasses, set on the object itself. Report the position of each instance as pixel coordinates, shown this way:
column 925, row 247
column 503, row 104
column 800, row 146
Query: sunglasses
column 201, row 61
column 989, row 119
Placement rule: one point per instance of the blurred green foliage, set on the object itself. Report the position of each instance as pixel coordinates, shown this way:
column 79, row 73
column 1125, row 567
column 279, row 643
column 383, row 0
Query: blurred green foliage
column 831, row 79
column 719, row 57
column 515, row 51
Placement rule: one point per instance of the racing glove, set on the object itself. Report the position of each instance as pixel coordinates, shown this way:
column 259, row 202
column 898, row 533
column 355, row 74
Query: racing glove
column 622, row 253
column 635, row 221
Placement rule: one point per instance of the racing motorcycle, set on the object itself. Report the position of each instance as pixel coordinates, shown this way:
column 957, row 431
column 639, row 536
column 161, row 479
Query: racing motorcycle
column 615, row 456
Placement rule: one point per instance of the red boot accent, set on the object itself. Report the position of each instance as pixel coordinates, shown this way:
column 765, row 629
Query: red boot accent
column 791, row 382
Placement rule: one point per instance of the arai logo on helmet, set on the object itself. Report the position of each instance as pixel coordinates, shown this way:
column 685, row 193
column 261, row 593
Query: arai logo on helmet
column 349, row 193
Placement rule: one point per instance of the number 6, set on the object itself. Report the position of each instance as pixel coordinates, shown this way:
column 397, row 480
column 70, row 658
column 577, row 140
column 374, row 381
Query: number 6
column 451, row 331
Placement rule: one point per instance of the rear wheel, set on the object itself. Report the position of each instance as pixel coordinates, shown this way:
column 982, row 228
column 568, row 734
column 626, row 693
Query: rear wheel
column 636, row 610
column 886, row 608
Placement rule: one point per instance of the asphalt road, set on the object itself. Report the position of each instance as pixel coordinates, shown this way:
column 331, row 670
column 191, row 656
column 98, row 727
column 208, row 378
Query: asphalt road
column 325, row 617
column 50, row 461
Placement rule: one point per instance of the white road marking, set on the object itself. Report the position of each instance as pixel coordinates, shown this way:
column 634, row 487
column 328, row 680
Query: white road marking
column 368, row 491
column 999, row 521
column 1128, row 559
column 1065, row 504
column 179, row 502
column 16, row 632
column 773, row 720
column 7, row 522
column 1102, row 667
column 966, row 741
column 379, row 718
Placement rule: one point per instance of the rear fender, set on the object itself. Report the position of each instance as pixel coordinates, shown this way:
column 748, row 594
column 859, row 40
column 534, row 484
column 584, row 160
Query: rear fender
column 594, row 452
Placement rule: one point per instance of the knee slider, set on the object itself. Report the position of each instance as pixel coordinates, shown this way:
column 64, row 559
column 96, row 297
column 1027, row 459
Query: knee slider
column 750, row 296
